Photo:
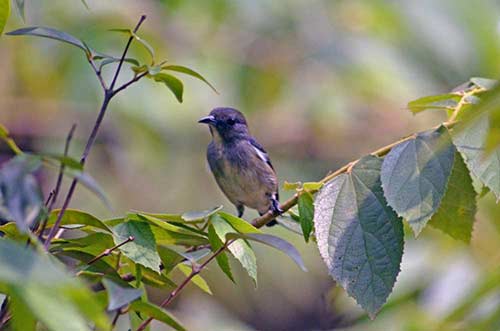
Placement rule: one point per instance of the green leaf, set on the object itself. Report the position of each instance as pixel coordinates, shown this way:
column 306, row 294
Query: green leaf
column 239, row 224
column 197, row 280
column 177, row 218
column 274, row 242
column 440, row 102
column 165, row 237
column 188, row 71
column 470, row 142
column 312, row 186
column 142, row 249
column 52, row 295
column 169, row 258
column 415, row 174
column 120, row 296
column 173, row 83
column 170, row 227
column 157, row 313
column 65, row 160
column 240, row 249
column 21, row 197
column 4, row 13
column 22, row 317
column 144, row 43
column 74, row 216
column 5, row 136
column 306, row 213
column 455, row 215
column 222, row 259
column 191, row 216
column 49, row 33
column 359, row 237
column 287, row 186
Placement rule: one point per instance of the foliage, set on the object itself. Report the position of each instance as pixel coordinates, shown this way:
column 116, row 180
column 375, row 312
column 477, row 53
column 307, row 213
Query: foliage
column 355, row 215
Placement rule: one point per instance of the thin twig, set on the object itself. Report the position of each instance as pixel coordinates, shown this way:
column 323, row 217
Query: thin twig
column 122, row 59
column 108, row 94
column 108, row 251
column 98, row 73
column 55, row 191
column 130, row 82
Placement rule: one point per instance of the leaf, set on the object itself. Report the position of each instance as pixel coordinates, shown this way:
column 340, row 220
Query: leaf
column 170, row 227
column 169, row 258
column 157, row 313
column 173, row 83
column 485, row 83
column 415, row 174
column 240, row 249
column 5, row 136
column 470, row 142
column 359, row 237
column 199, row 215
column 120, row 296
column 287, row 186
column 142, row 249
column 4, row 13
column 188, row 71
column 50, row 33
column 51, row 294
column 222, row 259
column 312, row 186
column 90, row 183
column 22, row 317
column 239, row 224
column 74, row 216
column 306, row 213
column 439, row 102
column 144, row 43
column 65, row 160
column 455, row 215
column 21, row 197
column 197, row 280
column 274, row 242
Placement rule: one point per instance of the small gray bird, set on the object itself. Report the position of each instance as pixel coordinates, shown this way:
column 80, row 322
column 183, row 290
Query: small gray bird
column 240, row 165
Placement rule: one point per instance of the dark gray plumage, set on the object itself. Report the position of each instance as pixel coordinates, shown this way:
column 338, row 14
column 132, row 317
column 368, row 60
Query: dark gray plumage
column 240, row 164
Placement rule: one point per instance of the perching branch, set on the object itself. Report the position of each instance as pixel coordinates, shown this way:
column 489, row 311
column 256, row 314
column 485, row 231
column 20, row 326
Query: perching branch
column 108, row 95
column 285, row 206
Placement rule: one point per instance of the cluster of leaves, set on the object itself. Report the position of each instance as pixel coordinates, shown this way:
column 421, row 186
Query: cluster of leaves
column 432, row 177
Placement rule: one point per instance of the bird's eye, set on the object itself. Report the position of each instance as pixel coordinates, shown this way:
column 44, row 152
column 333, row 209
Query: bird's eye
column 231, row 121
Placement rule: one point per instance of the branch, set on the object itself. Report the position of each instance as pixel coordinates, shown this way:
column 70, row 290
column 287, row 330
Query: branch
column 130, row 82
column 108, row 94
column 108, row 251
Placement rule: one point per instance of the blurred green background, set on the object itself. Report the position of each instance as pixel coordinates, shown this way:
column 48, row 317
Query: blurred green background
column 321, row 83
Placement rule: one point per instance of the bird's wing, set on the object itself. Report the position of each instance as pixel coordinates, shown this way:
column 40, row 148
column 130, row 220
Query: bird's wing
column 261, row 152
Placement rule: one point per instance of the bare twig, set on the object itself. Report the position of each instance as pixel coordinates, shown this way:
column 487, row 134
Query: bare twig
column 108, row 94
column 108, row 251
column 55, row 192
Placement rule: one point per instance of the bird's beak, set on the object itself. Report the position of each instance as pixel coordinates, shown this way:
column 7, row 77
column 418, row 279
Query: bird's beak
column 208, row 120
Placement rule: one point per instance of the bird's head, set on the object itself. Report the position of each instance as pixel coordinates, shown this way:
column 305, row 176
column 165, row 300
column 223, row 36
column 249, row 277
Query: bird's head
column 226, row 124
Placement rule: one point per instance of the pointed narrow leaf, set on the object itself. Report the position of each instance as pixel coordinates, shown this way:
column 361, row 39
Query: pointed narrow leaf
column 188, row 71
column 359, row 237
column 274, row 242
column 119, row 296
column 455, row 215
column 51, row 33
column 157, row 313
column 74, row 216
column 4, row 13
column 438, row 102
column 222, row 259
column 470, row 142
column 197, row 280
column 240, row 249
column 173, row 83
column 90, row 183
column 306, row 213
column 415, row 174
column 239, row 224
column 199, row 215
column 485, row 83
column 142, row 249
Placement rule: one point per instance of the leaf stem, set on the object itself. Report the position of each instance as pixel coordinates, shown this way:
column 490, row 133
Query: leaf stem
column 108, row 251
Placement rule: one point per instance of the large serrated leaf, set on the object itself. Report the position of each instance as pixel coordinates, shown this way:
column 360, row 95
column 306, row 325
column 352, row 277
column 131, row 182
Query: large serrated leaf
column 455, row 215
column 142, row 249
column 470, row 142
column 415, row 174
column 359, row 237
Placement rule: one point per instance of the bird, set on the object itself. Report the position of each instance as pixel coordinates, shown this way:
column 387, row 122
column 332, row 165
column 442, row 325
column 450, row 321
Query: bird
column 240, row 165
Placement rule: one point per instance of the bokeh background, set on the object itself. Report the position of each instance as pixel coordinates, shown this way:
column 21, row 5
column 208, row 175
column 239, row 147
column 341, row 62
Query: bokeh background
column 321, row 82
